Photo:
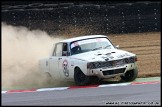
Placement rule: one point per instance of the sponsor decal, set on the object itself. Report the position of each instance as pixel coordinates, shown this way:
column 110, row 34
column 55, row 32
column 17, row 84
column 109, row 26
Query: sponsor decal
column 105, row 58
column 98, row 39
column 126, row 54
column 111, row 57
column 108, row 54
column 123, row 55
column 65, row 68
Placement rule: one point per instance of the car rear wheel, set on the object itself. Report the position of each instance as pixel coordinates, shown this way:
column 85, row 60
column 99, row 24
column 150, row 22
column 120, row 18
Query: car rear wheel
column 80, row 78
column 130, row 75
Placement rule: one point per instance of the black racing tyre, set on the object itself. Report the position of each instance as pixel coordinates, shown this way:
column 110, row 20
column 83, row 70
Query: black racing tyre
column 130, row 75
column 80, row 78
column 95, row 80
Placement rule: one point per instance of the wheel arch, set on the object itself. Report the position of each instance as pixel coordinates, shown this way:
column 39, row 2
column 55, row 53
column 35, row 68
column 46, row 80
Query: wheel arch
column 77, row 67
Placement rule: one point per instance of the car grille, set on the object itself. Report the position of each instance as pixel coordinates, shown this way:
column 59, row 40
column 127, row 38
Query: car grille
column 115, row 71
column 113, row 63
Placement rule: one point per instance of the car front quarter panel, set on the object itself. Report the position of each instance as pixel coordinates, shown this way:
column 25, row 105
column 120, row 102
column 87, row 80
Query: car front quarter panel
column 80, row 64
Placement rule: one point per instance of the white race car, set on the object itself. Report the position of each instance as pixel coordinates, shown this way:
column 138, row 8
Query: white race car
column 87, row 58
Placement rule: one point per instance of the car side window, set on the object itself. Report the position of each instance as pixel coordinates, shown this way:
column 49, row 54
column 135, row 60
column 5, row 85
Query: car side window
column 65, row 49
column 58, row 50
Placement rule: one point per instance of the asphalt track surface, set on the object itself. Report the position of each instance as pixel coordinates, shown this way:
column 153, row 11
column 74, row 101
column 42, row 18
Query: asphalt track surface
column 138, row 94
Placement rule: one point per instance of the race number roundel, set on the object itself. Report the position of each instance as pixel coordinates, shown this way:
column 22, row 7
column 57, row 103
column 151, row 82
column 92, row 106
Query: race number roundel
column 65, row 68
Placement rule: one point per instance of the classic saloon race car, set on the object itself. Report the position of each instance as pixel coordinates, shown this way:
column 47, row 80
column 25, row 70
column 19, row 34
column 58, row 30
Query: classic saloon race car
column 85, row 58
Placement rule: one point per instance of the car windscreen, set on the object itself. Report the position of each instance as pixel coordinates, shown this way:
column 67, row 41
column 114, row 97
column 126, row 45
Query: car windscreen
column 87, row 45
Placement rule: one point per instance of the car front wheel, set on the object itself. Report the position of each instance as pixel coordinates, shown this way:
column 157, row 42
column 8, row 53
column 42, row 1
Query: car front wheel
column 130, row 75
column 80, row 78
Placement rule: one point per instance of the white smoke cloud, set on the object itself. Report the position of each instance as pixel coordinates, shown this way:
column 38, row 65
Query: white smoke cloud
column 21, row 50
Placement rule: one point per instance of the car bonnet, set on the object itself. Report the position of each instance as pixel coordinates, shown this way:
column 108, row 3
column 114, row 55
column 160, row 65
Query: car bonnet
column 102, row 55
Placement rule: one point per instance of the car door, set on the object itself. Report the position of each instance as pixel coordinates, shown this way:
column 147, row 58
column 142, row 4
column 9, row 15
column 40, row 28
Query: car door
column 64, row 62
column 54, row 61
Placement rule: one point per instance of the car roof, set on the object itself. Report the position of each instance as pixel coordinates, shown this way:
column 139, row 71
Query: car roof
column 82, row 37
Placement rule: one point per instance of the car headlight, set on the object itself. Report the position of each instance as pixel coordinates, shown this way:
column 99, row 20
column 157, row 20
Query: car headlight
column 126, row 60
column 93, row 65
column 131, row 59
column 97, row 65
column 89, row 65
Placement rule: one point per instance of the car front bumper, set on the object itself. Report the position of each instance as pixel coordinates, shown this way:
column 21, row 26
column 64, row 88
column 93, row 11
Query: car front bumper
column 111, row 72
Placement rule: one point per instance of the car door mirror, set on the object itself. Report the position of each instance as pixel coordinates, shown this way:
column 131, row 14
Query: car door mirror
column 117, row 46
